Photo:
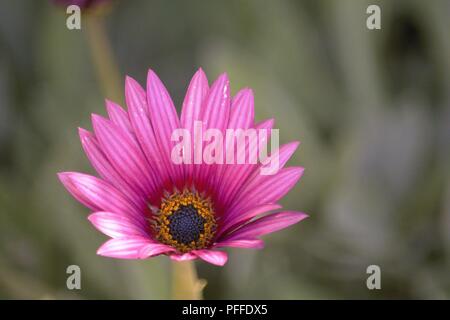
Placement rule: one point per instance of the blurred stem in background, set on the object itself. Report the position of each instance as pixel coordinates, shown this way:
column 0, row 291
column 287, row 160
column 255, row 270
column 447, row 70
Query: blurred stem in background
column 102, row 56
column 185, row 283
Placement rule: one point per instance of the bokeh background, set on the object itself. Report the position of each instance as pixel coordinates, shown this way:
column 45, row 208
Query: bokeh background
column 372, row 109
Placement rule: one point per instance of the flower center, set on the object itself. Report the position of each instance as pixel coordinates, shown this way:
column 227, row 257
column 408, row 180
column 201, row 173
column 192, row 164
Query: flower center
column 185, row 221
column 186, row 225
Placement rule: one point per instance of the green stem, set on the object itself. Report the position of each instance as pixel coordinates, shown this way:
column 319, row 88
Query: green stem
column 103, row 57
column 185, row 283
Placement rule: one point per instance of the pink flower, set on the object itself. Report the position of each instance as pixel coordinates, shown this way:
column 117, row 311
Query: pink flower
column 148, row 205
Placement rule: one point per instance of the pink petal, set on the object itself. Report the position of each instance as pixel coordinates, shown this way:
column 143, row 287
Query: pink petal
column 216, row 109
column 154, row 249
column 105, row 169
column 116, row 225
column 164, row 119
column 234, row 218
column 268, row 124
column 128, row 248
column 268, row 189
column 236, row 175
column 98, row 195
column 138, row 109
column 242, row 110
column 284, row 154
column 218, row 258
column 191, row 111
column 267, row 224
column 195, row 95
column 124, row 154
column 286, row 151
column 215, row 115
column 244, row 243
column 241, row 117
column 183, row 257
column 118, row 116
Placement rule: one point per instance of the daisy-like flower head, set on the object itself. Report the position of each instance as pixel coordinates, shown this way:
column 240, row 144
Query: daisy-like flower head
column 150, row 205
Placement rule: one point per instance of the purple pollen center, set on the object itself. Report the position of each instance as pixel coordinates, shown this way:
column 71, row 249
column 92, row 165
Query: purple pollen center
column 186, row 225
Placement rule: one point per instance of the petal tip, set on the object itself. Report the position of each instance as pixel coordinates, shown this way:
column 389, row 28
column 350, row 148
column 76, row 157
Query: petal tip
column 151, row 75
column 218, row 258
column 98, row 121
column 222, row 81
column 63, row 176
column 100, row 252
column 129, row 81
column 82, row 131
column 200, row 71
column 248, row 92
column 303, row 216
column 84, row 135
column 95, row 117
column 200, row 75
column 91, row 217
column 297, row 216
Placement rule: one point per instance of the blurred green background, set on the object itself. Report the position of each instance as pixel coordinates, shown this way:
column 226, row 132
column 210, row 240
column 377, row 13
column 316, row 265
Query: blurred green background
column 372, row 109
